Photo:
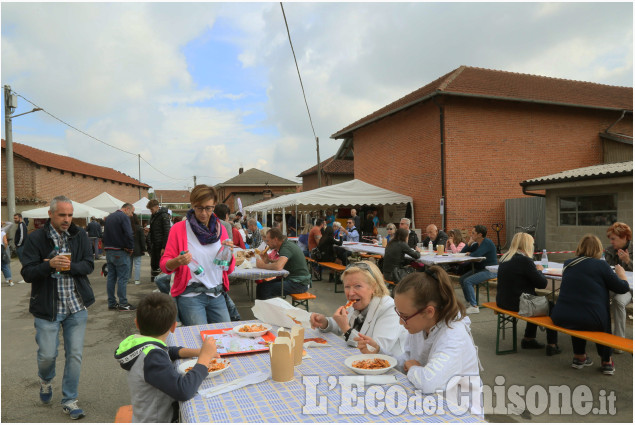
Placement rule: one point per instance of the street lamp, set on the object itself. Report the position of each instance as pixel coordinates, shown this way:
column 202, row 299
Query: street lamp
column 10, row 104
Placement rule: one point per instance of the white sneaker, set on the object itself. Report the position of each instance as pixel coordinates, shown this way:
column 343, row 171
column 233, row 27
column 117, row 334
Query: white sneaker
column 10, row 283
column 156, row 290
column 22, row 281
column 137, row 282
column 472, row 310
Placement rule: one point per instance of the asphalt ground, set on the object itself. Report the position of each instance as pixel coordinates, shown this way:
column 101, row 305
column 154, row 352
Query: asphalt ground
column 103, row 387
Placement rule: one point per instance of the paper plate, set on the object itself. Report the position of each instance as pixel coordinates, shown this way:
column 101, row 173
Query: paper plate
column 190, row 363
column 252, row 334
column 350, row 360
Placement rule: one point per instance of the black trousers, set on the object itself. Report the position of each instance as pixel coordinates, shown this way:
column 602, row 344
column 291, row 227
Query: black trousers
column 155, row 259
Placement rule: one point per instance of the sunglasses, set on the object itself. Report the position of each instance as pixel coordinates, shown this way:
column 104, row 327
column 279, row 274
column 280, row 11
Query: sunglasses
column 406, row 318
column 363, row 266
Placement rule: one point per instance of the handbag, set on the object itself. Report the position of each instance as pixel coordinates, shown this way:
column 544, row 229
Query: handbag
column 316, row 254
column 533, row 305
column 399, row 273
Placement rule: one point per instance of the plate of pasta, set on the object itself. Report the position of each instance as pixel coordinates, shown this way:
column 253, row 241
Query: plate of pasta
column 370, row 364
column 216, row 366
column 252, row 330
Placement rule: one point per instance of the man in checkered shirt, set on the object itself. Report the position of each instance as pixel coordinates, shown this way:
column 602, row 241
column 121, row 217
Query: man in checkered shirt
column 60, row 294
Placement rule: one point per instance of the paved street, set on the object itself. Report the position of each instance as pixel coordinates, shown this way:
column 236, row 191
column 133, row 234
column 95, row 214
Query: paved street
column 103, row 386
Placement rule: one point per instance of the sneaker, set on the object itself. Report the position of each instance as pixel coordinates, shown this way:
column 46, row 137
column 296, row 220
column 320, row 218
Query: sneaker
column 552, row 351
column 529, row 344
column 156, row 290
column 113, row 307
column 22, row 281
column 472, row 310
column 73, row 410
column 579, row 364
column 616, row 351
column 11, row 283
column 608, row 368
column 137, row 282
column 126, row 307
column 46, row 392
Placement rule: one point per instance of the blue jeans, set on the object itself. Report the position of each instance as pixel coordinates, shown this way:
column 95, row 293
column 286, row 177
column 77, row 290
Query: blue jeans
column 163, row 283
column 202, row 309
column 47, row 338
column 95, row 242
column 471, row 278
column 118, row 272
column 136, row 264
column 6, row 265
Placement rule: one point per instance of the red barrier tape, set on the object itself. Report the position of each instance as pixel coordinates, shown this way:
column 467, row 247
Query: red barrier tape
column 548, row 252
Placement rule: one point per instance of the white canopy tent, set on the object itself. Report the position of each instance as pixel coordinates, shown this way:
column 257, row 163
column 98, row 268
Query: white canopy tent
column 105, row 202
column 140, row 206
column 79, row 210
column 354, row 192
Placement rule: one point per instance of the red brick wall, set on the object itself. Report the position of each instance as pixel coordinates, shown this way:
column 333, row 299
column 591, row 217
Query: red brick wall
column 491, row 146
column 32, row 182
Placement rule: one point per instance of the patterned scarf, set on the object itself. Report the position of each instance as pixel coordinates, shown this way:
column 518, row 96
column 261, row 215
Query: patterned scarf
column 205, row 234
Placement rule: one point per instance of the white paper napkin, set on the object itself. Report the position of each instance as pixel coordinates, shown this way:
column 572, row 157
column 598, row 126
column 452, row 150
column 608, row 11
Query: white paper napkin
column 279, row 312
column 250, row 379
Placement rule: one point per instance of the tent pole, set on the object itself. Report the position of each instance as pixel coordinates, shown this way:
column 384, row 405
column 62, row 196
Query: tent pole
column 284, row 223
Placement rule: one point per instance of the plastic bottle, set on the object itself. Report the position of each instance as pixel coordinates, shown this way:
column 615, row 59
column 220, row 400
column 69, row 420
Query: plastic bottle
column 430, row 247
column 196, row 269
column 224, row 257
column 544, row 261
column 379, row 242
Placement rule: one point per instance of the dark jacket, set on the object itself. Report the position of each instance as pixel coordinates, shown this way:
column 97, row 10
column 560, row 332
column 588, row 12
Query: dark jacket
column 516, row 276
column 413, row 239
column 441, row 239
column 20, row 234
column 35, row 270
column 160, row 228
column 583, row 303
column 326, row 248
column 139, row 242
column 394, row 256
column 94, row 229
column 118, row 231
column 613, row 259
column 486, row 249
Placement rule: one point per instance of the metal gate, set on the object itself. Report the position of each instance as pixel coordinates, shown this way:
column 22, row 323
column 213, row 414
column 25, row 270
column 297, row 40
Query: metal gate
column 526, row 215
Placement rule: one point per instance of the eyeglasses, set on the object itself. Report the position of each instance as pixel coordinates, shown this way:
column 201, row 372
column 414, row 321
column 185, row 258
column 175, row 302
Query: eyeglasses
column 406, row 318
column 208, row 210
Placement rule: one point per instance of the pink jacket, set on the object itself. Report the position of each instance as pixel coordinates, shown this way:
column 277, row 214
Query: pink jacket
column 455, row 249
column 177, row 242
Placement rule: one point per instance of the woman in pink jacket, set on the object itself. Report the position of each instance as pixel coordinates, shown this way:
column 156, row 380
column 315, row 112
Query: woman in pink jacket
column 200, row 297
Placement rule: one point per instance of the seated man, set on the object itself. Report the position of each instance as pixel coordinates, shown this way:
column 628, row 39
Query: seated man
column 350, row 235
column 413, row 239
column 478, row 246
column 438, row 237
column 253, row 238
column 291, row 259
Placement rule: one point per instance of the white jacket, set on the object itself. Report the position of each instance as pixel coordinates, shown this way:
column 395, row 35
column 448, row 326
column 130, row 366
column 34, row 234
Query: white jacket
column 381, row 324
column 445, row 353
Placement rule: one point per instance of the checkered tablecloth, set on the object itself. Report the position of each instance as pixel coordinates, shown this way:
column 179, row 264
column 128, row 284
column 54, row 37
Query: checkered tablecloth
column 255, row 273
column 271, row 401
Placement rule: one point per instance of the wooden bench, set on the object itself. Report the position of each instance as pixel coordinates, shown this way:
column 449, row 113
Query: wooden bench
column 124, row 415
column 506, row 317
column 302, row 299
column 337, row 268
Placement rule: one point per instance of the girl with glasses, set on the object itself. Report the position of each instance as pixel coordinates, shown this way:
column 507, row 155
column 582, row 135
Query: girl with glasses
column 440, row 353
column 371, row 312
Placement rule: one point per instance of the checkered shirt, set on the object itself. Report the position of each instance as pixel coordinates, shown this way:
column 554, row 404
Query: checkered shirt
column 68, row 298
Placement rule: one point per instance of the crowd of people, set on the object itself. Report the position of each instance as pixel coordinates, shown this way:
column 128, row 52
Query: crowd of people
column 191, row 262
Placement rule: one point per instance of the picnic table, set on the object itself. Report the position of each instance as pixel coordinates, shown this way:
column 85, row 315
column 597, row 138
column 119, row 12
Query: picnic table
column 317, row 378
column 253, row 274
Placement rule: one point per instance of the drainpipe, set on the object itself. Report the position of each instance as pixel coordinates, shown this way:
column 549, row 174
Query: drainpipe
column 532, row 194
column 442, row 136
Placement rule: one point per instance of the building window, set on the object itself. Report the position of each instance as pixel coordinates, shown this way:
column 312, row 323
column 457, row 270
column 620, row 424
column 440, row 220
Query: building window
column 590, row 210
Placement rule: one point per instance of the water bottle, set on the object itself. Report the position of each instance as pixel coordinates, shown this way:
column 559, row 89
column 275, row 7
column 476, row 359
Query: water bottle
column 544, row 261
column 430, row 247
column 224, row 257
column 603, row 257
column 196, row 269
column 379, row 240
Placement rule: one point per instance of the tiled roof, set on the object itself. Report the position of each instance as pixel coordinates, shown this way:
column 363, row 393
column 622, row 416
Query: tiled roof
column 617, row 169
column 255, row 177
column 66, row 163
column 172, row 196
column 331, row 166
column 470, row 81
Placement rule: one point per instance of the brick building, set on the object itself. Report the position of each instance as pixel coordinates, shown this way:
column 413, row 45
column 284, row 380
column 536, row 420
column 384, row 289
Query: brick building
column 252, row 186
column 41, row 175
column 334, row 171
column 472, row 135
column 177, row 201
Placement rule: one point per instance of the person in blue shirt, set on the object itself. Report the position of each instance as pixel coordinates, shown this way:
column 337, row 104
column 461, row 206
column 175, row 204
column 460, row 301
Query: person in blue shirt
column 350, row 235
column 477, row 246
column 330, row 218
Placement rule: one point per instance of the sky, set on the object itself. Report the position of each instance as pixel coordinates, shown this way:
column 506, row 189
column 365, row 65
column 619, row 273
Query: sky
column 202, row 89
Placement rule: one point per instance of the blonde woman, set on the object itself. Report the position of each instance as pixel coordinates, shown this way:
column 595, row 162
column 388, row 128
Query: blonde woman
column 372, row 311
column 517, row 274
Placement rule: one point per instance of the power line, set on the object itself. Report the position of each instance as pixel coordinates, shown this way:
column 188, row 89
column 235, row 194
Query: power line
column 159, row 171
column 298, row 69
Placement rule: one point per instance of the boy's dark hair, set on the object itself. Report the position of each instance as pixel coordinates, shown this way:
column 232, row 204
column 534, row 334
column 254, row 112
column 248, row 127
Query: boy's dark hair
column 156, row 314
column 221, row 211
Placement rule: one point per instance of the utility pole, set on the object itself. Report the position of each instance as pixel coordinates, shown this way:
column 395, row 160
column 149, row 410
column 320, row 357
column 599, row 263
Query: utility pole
column 194, row 181
column 139, row 159
column 10, row 103
column 319, row 170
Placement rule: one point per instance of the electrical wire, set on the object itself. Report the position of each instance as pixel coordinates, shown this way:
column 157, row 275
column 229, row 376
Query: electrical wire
column 298, row 69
